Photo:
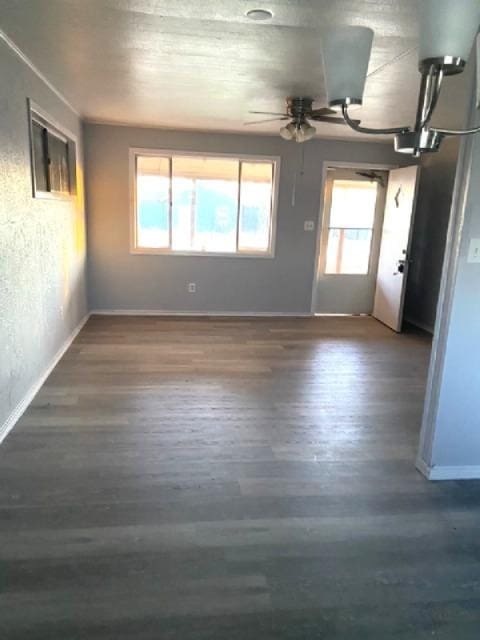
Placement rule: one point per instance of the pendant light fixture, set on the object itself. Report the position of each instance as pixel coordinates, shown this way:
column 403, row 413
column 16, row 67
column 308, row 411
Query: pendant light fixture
column 346, row 54
column 447, row 32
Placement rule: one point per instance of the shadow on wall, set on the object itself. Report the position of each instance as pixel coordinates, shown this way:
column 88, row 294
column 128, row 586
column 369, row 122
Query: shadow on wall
column 437, row 177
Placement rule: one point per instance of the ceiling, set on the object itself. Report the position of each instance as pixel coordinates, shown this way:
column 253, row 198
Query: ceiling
column 204, row 65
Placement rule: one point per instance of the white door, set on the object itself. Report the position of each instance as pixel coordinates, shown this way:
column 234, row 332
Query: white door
column 395, row 246
column 346, row 270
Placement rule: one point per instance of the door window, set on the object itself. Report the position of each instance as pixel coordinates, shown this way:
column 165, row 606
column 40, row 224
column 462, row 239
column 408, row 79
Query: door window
column 350, row 227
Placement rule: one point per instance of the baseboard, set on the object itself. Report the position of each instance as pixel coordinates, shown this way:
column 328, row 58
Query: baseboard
column 467, row 472
column 420, row 325
column 423, row 467
column 227, row 314
column 17, row 413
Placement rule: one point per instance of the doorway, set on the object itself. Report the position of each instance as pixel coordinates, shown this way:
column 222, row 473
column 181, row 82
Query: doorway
column 349, row 245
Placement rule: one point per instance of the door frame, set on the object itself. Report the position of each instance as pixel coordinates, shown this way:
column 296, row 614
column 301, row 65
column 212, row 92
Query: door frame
column 326, row 164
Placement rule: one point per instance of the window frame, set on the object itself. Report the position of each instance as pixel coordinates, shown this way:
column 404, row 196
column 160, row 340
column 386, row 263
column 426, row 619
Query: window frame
column 170, row 153
column 41, row 117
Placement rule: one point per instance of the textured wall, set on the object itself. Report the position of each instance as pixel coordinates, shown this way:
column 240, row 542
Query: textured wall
column 437, row 177
column 119, row 280
column 42, row 243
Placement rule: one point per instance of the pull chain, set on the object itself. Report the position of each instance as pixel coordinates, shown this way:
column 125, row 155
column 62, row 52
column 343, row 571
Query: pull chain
column 297, row 173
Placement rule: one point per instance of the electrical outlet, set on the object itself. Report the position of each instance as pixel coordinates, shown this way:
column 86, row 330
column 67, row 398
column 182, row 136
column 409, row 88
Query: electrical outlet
column 192, row 287
column 474, row 250
column 308, row 225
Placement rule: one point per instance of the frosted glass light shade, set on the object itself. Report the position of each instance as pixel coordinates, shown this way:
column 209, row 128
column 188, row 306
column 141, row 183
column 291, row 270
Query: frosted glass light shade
column 346, row 54
column 288, row 132
column 305, row 132
column 448, row 28
column 299, row 133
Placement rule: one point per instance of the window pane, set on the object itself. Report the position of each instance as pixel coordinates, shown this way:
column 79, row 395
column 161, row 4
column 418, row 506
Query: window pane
column 353, row 204
column 348, row 251
column 153, row 197
column 255, row 206
column 39, row 157
column 204, row 204
column 58, row 166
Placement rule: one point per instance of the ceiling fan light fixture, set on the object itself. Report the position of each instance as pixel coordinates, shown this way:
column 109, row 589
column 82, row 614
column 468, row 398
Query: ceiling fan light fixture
column 346, row 56
column 299, row 132
column 447, row 31
column 259, row 15
column 305, row 132
column 288, row 132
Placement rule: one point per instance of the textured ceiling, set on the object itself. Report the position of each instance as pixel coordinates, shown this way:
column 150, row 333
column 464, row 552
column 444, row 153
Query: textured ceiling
column 204, row 65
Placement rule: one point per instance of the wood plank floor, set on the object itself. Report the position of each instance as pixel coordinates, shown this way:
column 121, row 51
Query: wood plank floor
column 219, row 479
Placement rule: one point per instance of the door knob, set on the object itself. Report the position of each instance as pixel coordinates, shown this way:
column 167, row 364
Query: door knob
column 400, row 267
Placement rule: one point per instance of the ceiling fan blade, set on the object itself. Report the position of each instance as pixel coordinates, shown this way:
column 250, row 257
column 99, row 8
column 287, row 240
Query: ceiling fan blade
column 333, row 120
column 324, row 111
column 268, row 113
column 267, row 120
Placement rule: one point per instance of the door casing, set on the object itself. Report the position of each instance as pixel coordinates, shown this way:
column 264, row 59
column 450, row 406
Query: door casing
column 325, row 167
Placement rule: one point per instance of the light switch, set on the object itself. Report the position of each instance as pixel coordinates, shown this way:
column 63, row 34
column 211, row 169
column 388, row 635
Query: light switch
column 474, row 250
column 308, row 225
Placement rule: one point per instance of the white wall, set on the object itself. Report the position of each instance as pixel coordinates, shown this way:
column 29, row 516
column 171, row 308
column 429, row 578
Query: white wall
column 119, row 280
column 42, row 244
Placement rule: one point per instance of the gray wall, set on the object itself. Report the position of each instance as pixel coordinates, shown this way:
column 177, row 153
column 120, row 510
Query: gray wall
column 42, row 244
column 456, row 439
column 437, row 178
column 450, row 438
column 119, row 280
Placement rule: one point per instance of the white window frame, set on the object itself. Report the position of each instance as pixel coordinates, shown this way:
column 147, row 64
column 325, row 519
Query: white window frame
column 247, row 253
column 37, row 114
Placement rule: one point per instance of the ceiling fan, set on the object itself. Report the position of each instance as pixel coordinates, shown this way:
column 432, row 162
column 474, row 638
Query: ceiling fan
column 299, row 110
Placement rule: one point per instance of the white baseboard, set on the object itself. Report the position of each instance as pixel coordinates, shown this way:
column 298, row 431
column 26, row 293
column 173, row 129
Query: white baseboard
column 423, row 467
column 17, row 413
column 468, row 472
column 227, row 314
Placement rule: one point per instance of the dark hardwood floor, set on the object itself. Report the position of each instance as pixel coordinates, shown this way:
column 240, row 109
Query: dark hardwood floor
column 219, row 479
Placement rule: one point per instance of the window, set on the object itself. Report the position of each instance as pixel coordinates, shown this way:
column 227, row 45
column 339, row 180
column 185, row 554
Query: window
column 350, row 227
column 53, row 159
column 203, row 204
